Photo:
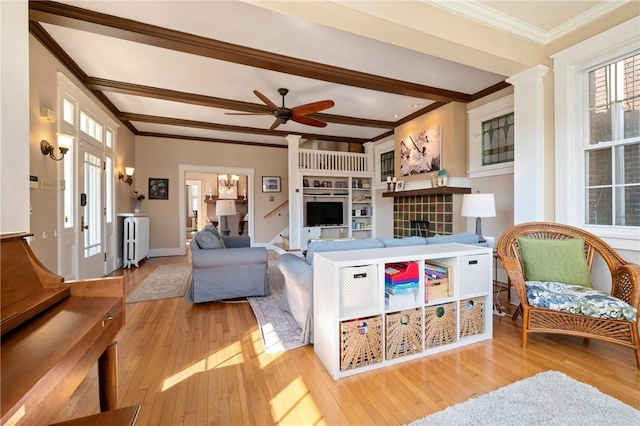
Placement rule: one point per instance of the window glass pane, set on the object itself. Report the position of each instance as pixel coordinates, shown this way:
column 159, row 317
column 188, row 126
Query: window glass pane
column 84, row 123
column 631, row 96
column 628, row 164
column 93, row 209
column 68, row 110
column 600, row 129
column 386, row 165
column 68, row 194
column 498, row 140
column 599, row 206
column 109, row 176
column 109, row 138
column 614, row 106
column 599, row 167
column 628, row 206
column 98, row 132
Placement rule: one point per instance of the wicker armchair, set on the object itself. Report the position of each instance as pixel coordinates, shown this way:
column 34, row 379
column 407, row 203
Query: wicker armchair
column 625, row 286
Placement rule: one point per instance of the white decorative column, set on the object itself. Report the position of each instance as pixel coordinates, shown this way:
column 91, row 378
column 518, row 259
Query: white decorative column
column 529, row 162
column 295, row 193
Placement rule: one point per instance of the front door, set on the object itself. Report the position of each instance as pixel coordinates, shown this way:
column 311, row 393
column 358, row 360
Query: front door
column 91, row 212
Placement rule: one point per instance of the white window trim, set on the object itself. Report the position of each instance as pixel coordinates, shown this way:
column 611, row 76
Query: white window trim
column 476, row 117
column 570, row 125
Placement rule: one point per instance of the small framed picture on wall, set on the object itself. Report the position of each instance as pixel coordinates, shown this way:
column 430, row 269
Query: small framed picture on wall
column 158, row 189
column 271, row 184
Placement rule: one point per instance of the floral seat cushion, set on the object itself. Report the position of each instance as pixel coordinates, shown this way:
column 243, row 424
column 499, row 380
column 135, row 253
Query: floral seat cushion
column 577, row 299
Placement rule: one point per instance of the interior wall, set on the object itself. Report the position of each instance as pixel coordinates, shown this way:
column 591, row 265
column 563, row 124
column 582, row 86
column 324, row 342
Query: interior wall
column 160, row 158
column 44, row 218
column 14, row 119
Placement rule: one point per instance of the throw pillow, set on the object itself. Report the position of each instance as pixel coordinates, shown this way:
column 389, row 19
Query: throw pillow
column 207, row 240
column 213, row 229
column 559, row 261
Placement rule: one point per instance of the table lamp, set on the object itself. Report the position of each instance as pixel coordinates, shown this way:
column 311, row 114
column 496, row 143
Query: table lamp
column 225, row 208
column 478, row 205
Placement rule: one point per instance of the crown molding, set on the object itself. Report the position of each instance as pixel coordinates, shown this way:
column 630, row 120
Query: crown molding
column 489, row 16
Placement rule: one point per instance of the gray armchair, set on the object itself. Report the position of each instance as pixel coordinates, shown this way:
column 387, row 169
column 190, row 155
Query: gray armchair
column 226, row 267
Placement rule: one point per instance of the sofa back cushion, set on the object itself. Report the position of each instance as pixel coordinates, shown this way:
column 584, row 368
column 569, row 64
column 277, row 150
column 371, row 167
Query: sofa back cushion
column 322, row 246
column 403, row 242
column 462, row 238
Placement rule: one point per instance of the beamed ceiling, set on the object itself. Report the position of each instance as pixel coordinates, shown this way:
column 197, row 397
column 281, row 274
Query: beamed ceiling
column 176, row 69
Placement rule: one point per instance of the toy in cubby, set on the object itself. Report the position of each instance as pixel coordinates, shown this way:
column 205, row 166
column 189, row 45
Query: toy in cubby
column 400, row 283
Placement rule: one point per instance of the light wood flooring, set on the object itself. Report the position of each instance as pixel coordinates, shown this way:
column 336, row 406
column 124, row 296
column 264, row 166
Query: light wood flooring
column 205, row 364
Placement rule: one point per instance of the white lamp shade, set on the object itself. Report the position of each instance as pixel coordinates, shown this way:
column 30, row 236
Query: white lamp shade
column 478, row 205
column 128, row 171
column 225, row 208
column 64, row 140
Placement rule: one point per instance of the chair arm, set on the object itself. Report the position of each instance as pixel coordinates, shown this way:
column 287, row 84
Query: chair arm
column 514, row 271
column 227, row 257
column 626, row 284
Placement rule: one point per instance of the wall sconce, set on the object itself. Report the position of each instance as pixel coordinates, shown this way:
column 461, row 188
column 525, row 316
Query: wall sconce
column 127, row 176
column 228, row 181
column 64, row 143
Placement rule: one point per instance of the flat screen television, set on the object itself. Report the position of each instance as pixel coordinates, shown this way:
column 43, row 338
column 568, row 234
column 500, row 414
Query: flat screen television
column 324, row 213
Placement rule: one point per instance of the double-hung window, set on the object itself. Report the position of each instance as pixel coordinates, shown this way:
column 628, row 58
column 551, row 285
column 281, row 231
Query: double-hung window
column 597, row 109
column 612, row 155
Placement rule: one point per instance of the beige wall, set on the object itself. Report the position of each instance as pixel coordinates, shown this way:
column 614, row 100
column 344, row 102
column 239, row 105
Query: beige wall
column 45, row 218
column 160, row 158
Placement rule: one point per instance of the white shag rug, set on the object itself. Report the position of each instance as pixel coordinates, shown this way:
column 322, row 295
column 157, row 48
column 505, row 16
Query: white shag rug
column 549, row 398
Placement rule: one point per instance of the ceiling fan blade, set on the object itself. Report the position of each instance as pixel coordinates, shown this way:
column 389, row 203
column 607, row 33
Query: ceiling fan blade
column 309, row 121
column 247, row 113
column 312, row 108
column 266, row 100
column 275, row 124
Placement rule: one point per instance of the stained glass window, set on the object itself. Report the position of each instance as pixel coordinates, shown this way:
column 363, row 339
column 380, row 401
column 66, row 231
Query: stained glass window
column 497, row 140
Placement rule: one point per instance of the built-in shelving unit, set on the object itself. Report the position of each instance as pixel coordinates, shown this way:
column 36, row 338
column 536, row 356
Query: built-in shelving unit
column 357, row 328
column 356, row 195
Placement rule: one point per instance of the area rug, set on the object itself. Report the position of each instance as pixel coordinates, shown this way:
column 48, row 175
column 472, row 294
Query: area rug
column 549, row 398
column 279, row 329
column 165, row 282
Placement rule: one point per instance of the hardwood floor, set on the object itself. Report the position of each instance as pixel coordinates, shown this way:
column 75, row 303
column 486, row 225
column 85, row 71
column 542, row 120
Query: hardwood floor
column 205, row 364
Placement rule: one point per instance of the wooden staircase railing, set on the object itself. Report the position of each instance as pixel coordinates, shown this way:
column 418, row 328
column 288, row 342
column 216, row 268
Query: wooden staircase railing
column 284, row 203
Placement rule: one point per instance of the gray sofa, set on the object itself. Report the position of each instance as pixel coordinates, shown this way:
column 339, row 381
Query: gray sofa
column 226, row 267
column 297, row 295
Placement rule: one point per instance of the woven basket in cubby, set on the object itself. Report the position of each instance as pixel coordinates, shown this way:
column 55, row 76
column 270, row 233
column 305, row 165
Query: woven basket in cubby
column 360, row 342
column 439, row 325
column 471, row 316
column 403, row 333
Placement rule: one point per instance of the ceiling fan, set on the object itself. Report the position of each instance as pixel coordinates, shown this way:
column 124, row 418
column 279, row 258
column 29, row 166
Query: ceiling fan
column 284, row 114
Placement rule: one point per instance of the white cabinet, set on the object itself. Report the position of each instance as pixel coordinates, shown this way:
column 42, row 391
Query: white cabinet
column 355, row 329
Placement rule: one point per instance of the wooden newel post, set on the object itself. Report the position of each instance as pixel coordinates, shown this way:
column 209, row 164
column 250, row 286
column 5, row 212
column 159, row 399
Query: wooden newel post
column 108, row 378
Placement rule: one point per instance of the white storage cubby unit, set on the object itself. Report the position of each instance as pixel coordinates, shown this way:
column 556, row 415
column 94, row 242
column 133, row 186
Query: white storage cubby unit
column 356, row 331
column 356, row 195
